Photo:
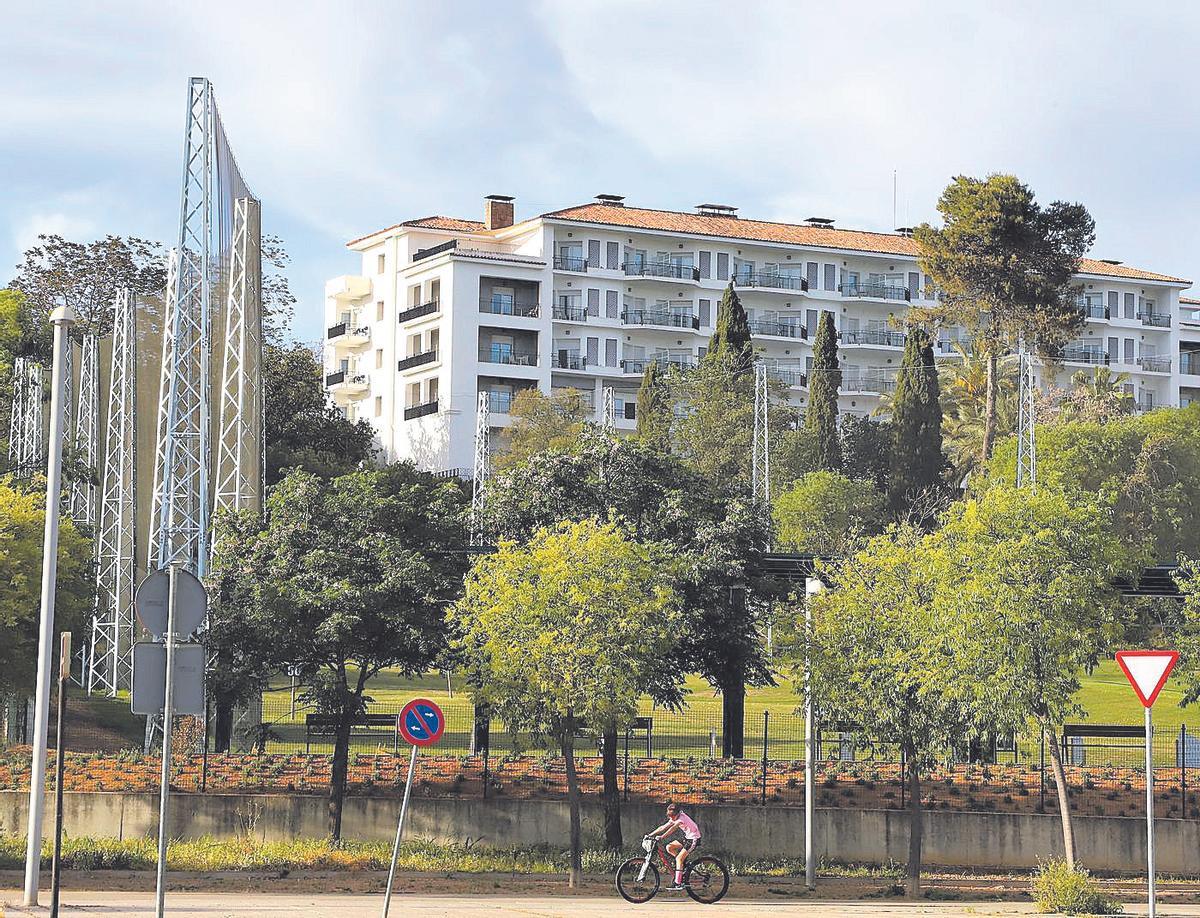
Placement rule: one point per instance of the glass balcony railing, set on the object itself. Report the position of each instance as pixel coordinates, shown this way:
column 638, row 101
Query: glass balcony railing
column 1155, row 319
column 508, row 356
column 569, row 311
column 868, row 381
column 770, row 281
column 569, row 360
column 507, row 306
column 1152, row 363
column 777, row 329
column 873, row 337
column 661, row 269
column 666, row 319
column 875, row 290
column 1189, row 362
column 570, row 263
column 1097, row 356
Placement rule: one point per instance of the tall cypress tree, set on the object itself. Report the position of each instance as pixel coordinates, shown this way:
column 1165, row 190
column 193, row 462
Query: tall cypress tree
column 730, row 342
column 916, row 423
column 822, row 415
column 653, row 409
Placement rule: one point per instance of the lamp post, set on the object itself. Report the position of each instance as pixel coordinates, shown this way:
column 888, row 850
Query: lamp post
column 62, row 318
column 812, row 586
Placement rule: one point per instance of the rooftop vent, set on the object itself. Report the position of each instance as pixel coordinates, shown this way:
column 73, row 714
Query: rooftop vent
column 497, row 211
column 611, row 200
column 819, row 221
column 1110, row 261
column 905, row 230
column 716, row 210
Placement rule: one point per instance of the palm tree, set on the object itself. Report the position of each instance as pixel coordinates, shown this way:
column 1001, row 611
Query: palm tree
column 964, row 404
column 1100, row 396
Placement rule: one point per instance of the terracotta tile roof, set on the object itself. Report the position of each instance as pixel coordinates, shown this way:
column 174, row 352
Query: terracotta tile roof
column 764, row 231
column 453, row 224
column 1188, row 301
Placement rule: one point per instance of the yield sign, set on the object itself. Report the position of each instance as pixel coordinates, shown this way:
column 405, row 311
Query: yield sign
column 1147, row 671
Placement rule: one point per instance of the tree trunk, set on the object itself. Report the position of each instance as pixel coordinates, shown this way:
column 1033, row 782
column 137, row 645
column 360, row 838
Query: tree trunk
column 915, row 825
column 989, row 409
column 1064, row 801
column 575, row 874
column 611, row 792
column 481, row 736
column 337, row 776
column 223, row 724
column 733, row 717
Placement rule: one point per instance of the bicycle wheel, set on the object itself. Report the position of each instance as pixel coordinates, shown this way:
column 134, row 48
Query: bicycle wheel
column 630, row 887
column 706, row 880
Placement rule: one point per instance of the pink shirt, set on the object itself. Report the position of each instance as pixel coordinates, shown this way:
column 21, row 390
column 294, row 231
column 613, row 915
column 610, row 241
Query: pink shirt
column 685, row 822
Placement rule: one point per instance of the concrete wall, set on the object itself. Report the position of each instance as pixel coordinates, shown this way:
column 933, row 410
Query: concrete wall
column 846, row 835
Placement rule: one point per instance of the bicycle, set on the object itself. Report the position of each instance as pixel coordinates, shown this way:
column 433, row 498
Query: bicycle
column 705, row 879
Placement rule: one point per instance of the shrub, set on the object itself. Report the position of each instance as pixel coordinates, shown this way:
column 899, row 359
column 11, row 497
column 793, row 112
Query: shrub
column 1059, row 890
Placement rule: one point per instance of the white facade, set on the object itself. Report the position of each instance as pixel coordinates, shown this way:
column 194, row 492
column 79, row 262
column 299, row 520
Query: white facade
column 582, row 298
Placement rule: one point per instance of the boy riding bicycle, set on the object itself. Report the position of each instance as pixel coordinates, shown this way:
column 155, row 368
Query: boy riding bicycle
column 678, row 821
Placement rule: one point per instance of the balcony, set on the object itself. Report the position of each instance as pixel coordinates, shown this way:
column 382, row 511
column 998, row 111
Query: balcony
column 637, row 365
column 419, row 312
column 789, row 377
column 950, row 344
column 1151, row 363
column 1189, row 362
column 508, row 356
column 348, row 287
column 1155, row 319
column 420, row 411
column 872, row 337
column 568, row 360
column 346, row 381
column 417, row 360
column 874, row 291
column 778, row 329
column 771, row 281
column 869, row 381
column 345, row 334
column 1094, row 310
column 570, row 312
column 1096, row 356
column 665, row 269
column 570, row 263
column 504, row 306
column 664, row 319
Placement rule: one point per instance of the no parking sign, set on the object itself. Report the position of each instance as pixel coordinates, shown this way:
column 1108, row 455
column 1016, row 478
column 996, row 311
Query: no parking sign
column 421, row 722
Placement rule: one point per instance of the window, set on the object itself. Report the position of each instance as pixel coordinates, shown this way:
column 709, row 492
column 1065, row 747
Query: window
column 380, row 263
column 593, row 302
column 1114, row 349
column 830, row 277
column 811, row 268
column 379, row 406
column 610, row 304
column 378, row 358
column 435, row 290
column 706, row 312
column 610, row 352
column 503, row 300
column 433, row 389
column 1129, row 350
column 742, row 268
column 1130, row 306
column 379, row 310
column 706, row 264
column 593, row 351
column 614, row 256
column 414, row 394
column 414, row 295
column 722, row 266
column 594, row 252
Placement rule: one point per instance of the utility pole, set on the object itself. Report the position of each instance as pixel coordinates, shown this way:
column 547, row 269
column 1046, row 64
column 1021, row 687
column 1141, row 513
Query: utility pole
column 1026, row 421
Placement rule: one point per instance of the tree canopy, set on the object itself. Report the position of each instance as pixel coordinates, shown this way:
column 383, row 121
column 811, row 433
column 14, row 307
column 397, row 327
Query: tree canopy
column 827, row 514
column 542, row 422
column 823, row 383
column 916, row 457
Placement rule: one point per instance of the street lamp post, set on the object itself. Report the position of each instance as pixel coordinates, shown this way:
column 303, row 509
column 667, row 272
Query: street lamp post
column 62, row 318
column 812, row 586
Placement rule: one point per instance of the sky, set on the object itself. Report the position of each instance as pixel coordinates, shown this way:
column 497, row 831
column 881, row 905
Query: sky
column 347, row 117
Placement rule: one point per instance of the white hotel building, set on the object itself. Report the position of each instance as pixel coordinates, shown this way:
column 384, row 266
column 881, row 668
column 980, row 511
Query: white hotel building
column 582, row 298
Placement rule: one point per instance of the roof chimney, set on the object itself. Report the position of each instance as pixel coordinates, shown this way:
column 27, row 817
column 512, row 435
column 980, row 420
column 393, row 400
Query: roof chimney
column 905, row 231
column 822, row 222
column 716, row 210
column 497, row 211
column 611, row 200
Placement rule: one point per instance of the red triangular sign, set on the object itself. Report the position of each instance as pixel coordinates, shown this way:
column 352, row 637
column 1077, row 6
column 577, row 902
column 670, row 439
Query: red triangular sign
column 1147, row 671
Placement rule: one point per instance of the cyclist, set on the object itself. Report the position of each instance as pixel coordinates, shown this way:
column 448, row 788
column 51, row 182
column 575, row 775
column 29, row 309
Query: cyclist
column 678, row 821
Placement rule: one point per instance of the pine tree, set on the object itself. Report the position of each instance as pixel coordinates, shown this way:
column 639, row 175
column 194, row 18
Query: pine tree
column 916, row 423
column 730, row 342
column 822, row 414
column 653, row 409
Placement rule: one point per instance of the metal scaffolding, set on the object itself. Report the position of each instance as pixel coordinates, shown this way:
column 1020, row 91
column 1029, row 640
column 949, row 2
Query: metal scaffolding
column 86, row 439
column 483, row 462
column 109, row 663
column 27, row 433
column 1026, row 421
column 608, row 417
column 760, row 463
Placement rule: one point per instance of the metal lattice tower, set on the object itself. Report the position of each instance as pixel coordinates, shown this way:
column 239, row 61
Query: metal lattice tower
column 109, row 664
column 26, row 438
column 1026, row 421
column 608, row 417
column 483, row 461
column 760, row 473
column 87, row 429
column 240, row 446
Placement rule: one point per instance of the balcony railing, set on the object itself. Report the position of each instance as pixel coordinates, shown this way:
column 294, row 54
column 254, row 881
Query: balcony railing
column 1154, row 363
column 878, row 291
column 570, row 263
column 1094, row 310
column 508, row 357
column 1189, row 362
column 875, row 337
column 1093, row 355
column 420, row 411
column 788, row 377
column 667, row 319
column 868, row 382
column 1155, row 319
column 666, row 361
column 417, row 360
column 344, row 378
column 507, row 307
column 771, row 281
column 778, row 329
column 660, row 269
column 568, row 360
column 417, row 312
column 335, row 331
column 500, row 402
column 335, row 379
column 948, row 345
column 570, row 312
column 1142, row 405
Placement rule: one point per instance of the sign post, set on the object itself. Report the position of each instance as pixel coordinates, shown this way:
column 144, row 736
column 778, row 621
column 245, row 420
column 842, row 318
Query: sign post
column 421, row 723
column 812, row 587
column 1147, row 672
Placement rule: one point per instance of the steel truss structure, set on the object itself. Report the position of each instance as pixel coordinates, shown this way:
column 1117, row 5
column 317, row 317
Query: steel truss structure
column 26, row 436
column 483, row 462
column 608, row 418
column 110, row 661
column 82, row 498
column 1026, row 421
column 760, row 463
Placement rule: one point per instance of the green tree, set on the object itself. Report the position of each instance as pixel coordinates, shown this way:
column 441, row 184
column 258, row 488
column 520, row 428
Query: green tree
column 343, row 579
column 543, row 422
column 827, row 514
column 22, row 518
column 1004, row 267
column 867, row 449
column 964, row 389
column 653, row 408
column 302, row 429
column 916, row 424
column 823, row 383
column 730, row 343
column 566, row 630
column 1098, row 396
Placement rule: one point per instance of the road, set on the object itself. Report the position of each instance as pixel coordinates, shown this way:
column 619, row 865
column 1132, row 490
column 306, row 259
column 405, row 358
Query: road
column 78, row 904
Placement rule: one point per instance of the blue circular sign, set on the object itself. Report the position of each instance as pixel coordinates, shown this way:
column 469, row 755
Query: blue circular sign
column 421, row 722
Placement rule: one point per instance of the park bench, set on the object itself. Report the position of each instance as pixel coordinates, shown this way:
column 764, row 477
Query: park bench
column 365, row 726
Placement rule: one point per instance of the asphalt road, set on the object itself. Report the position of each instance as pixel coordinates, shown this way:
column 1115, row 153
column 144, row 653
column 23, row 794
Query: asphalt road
column 84, row 904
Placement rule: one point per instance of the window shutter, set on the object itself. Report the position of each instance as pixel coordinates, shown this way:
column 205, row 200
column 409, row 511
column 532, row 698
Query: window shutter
column 610, row 303
column 1114, row 304
column 1114, row 349
column 593, row 302
column 1130, row 306
column 1129, row 348
column 593, row 253
column 811, row 268
column 722, row 266
column 706, row 264
column 631, row 411
column 593, row 351
column 914, row 284
column 830, row 277
column 614, row 256
column 705, row 313
column 610, row 352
